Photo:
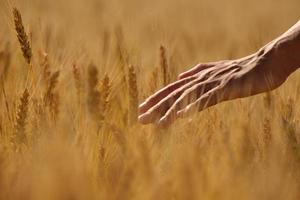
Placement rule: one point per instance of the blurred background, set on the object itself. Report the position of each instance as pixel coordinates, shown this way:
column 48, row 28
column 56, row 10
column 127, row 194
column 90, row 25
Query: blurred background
column 194, row 31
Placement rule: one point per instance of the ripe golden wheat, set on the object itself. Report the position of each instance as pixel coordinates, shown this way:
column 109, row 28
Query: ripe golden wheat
column 22, row 36
column 69, row 130
column 21, row 119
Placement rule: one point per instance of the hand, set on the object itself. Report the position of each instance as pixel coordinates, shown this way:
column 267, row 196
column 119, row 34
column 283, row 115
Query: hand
column 208, row 84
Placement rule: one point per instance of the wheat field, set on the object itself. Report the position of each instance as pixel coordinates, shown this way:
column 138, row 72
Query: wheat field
column 73, row 72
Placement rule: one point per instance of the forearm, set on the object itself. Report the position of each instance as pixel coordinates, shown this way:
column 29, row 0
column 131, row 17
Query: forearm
column 285, row 49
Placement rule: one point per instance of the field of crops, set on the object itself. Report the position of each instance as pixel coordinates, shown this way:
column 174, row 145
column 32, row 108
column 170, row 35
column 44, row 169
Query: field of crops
column 73, row 72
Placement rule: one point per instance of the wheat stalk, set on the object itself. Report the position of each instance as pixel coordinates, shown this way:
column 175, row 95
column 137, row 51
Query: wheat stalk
column 46, row 67
column 78, row 80
column 121, row 50
column 22, row 36
column 5, row 59
column 153, row 83
column 164, row 65
column 123, row 57
column 52, row 84
column 290, row 127
column 92, row 77
column 133, row 95
column 267, row 137
column 94, row 96
column 1, row 126
column 51, row 98
column 21, row 117
column 105, row 90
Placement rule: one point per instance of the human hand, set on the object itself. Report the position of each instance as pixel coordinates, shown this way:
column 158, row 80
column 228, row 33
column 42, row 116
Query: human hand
column 211, row 83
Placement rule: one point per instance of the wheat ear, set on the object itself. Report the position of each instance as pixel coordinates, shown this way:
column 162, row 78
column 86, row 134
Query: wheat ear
column 21, row 117
column 133, row 95
column 105, row 90
column 164, row 65
column 51, row 99
column 22, row 36
column 77, row 80
column 94, row 96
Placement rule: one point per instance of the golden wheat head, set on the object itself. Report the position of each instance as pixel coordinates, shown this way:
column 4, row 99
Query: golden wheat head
column 94, row 96
column 21, row 117
column 22, row 36
column 164, row 65
column 105, row 90
column 133, row 95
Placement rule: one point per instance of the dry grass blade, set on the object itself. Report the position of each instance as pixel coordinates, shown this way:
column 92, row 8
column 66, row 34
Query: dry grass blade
column 22, row 36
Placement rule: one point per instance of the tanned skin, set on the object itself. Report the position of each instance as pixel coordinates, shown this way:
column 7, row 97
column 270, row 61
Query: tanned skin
column 208, row 84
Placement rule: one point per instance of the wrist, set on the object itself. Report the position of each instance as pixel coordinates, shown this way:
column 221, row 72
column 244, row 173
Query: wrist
column 288, row 47
column 287, row 54
column 280, row 55
column 283, row 53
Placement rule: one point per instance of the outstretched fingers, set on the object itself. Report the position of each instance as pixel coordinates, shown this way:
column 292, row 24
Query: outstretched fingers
column 203, row 94
column 161, row 107
column 210, row 98
column 185, row 99
column 161, row 94
column 207, row 100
